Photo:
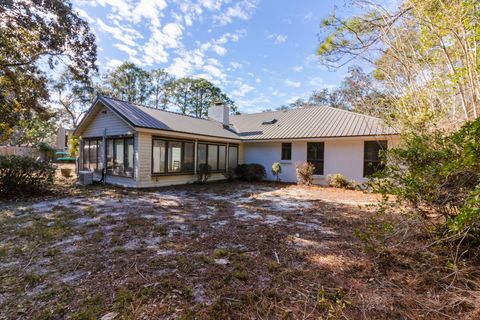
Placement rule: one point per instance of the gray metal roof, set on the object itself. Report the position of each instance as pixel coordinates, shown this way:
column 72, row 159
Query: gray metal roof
column 145, row 117
column 313, row 122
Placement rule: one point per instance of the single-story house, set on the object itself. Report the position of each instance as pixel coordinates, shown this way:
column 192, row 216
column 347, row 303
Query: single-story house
column 146, row 147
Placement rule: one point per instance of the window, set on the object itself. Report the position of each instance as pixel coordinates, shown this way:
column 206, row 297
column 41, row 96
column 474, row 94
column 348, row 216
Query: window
column 222, row 157
column 158, row 156
column 212, row 154
column 172, row 156
column 91, row 154
column 315, row 151
column 371, row 157
column 120, row 156
column 286, row 151
column 232, row 157
column 189, row 156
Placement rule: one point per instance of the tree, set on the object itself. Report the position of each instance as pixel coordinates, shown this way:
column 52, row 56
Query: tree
column 129, row 82
column 276, row 170
column 195, row 96
column 31, row 32
column 74, row 95
column 160, row 82
column 425, row 55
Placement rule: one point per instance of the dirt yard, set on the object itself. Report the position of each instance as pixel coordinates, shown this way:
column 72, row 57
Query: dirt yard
column 216, row 251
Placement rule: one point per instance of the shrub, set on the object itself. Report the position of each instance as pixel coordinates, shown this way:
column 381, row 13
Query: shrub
column 276, row 170
column 250, row 172
column 305, row 173
column 229, row 174
column 438, row 172
column 20, row 175
column 204, row 172
column 338, row 180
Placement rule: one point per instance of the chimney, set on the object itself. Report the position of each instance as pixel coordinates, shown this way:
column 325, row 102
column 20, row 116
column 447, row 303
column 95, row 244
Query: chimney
column 219, row 112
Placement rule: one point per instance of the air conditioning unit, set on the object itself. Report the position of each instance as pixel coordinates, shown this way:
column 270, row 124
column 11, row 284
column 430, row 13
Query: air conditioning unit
column 85, row 178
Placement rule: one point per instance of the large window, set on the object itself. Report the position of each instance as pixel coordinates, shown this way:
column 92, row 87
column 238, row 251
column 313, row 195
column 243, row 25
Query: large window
column 120, row 158
column 171, row 156
column 315, row 153
column 91, row 154
column 371, row 157
column 212, row 154
column 286, row 151
column 232, row 157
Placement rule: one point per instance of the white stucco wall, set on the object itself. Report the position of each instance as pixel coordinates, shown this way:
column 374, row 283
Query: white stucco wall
column 343, row 155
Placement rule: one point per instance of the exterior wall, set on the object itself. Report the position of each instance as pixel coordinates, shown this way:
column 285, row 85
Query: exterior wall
column 341, row 155
column 105, row 118
column 144, row 166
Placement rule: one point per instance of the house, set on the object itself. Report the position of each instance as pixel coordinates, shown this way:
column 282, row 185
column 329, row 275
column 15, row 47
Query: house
column 145, row 147
column 62, row 139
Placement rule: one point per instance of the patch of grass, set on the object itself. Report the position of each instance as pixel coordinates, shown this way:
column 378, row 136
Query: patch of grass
column 220, row 253
column 161, row 230
column 240, row 274
column 52, row 252
column 184, row 265
column 3, row 251
column 32, row 279
column 333, row 302
column 92, row 308
column 273, row 266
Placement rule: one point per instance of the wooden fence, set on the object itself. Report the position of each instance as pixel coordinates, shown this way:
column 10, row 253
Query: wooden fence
column 20, row 151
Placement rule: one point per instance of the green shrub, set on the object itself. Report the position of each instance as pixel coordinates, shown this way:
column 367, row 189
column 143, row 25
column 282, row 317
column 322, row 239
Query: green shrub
column 20, row 175
column 276, row 170
column 438, row 172
column 204, row 172
column 338, row 180
column 304, row 172
column 229, row 174
column 250, row 172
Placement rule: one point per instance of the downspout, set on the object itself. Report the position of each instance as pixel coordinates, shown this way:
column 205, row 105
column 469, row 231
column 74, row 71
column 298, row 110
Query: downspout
column 227, row 165
column 104, row 143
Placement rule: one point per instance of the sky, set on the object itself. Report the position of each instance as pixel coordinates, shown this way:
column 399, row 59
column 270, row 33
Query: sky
column 261, row 53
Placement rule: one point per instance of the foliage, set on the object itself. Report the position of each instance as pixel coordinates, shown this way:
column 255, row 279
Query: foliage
column 160, row 81
column 34, row 130
column 438, row 172
column 425, row 55
column 338, row 180
column 276, row 170
column 304, row 172
column 21, row 175
column 129, row 82
column 45, row 147
column 74, row 146
column 31, row 33
column 251, row 172
column 204, row 172
column 74, row 95
column 229, row 174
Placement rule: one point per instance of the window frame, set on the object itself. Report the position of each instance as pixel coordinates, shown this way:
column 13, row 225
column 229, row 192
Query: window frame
column 236, row 146
column 98, row 165
column 217, row 145
column 289, row 149
column 317, row 171
column 182, row 162
column 382, row 145
column 112, row 171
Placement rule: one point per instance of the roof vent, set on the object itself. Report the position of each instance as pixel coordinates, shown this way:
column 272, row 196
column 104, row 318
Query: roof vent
column 269, row 121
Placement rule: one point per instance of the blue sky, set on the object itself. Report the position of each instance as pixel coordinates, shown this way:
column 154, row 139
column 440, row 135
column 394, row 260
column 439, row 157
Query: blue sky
column 260, row 52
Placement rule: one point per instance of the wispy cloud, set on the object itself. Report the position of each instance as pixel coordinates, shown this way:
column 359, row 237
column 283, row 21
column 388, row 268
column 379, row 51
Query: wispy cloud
column 292, row 84
column 241, row 10
column 277, row 38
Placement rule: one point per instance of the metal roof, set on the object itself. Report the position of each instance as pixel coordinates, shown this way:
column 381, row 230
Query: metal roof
column 313, row 122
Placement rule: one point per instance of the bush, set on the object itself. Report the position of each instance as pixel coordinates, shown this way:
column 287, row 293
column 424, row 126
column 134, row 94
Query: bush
column 338, row 180
column 305, row 173
column 229, row 174
column 20, row 175
column 438, row 172
column 204, row 172
column 276, row 170
column 250, row 172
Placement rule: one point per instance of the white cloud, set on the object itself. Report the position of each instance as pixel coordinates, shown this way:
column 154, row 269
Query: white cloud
column 292, row 84
column 236, row 65
column 298, row 68
column 308, row 16
column 167, row 38
column 150, row 9
column 129, row 51
column 258, row 80
column 242, row 89
column 241, row 10
column 219, row 50
column 113, row 63
column 277, row 38
column 124, row 34
column 318, row 82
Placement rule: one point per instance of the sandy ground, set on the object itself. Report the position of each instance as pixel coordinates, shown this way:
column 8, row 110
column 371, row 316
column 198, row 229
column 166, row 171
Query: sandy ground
column 219, row 251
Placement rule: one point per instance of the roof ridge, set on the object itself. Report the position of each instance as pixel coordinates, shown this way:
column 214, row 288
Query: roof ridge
column 305, row 108
column 148, row 107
